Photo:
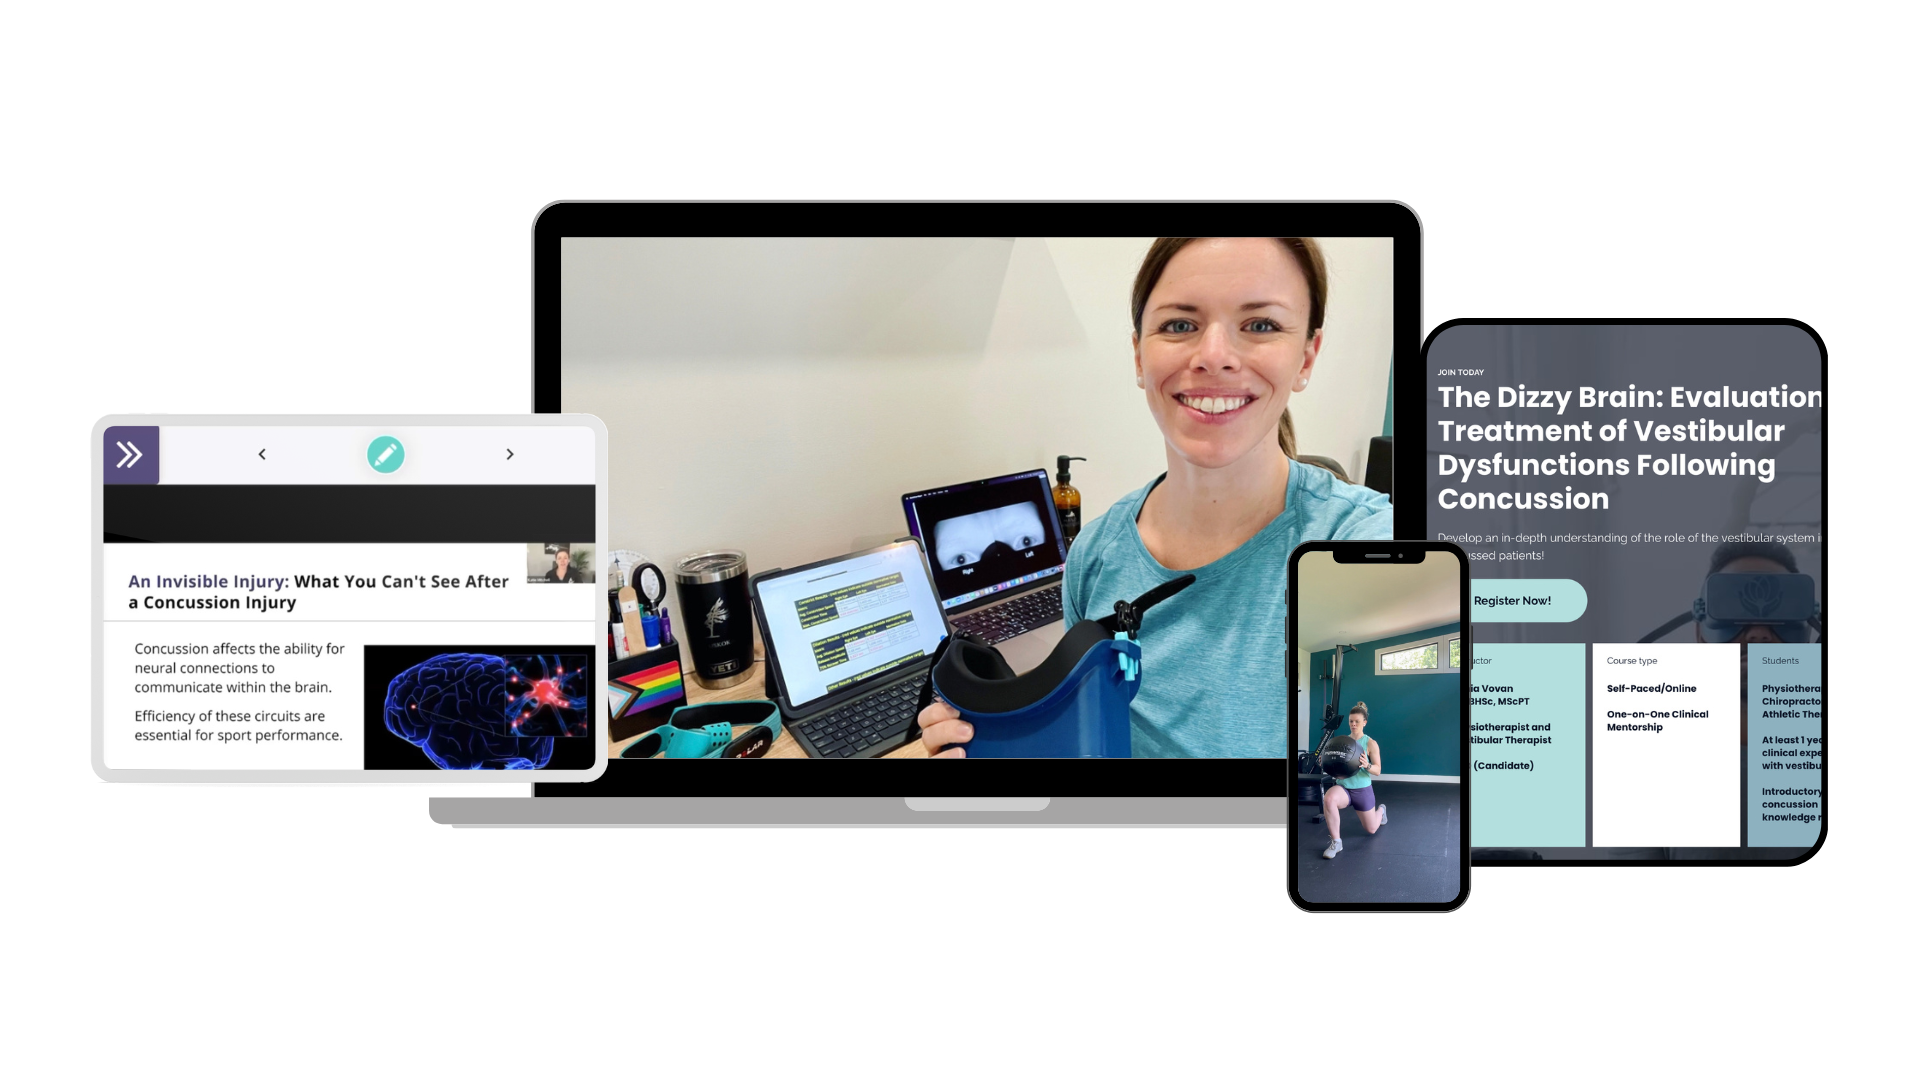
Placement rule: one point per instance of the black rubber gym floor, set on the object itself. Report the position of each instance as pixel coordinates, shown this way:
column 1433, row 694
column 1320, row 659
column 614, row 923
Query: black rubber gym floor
column 1413, row 859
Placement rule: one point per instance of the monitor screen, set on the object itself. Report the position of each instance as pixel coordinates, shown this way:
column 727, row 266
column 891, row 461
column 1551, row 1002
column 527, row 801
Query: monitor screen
column 777, row 379
column 989, row 536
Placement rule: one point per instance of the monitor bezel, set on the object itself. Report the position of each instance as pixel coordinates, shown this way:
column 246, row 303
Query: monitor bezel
column 1204, row 778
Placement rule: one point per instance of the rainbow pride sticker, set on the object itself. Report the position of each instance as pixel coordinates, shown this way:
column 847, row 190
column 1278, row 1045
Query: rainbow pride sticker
column 617, row 698
column 653, row 687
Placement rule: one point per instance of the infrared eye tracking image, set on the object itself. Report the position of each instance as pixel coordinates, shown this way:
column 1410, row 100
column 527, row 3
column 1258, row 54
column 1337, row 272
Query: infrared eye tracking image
column 963, row 541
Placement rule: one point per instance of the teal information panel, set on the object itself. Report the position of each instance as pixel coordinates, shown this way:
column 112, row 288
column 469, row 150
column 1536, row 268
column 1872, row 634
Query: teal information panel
column 1530, row 745
column 1786, row 699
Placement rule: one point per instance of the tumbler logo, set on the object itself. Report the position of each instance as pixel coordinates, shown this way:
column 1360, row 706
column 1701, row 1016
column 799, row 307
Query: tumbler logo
column 716, row 616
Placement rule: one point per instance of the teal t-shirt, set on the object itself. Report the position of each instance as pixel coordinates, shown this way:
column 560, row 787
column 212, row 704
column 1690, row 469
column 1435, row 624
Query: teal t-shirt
column 1363, row 778
column 1214, row 657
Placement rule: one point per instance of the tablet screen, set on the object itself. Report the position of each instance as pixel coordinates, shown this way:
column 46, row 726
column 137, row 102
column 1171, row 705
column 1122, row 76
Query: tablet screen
column 349, row 598
column 1643, row 507
column 836, row 625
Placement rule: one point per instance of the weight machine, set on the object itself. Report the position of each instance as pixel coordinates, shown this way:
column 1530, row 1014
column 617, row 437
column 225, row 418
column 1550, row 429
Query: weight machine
column 1309, row 780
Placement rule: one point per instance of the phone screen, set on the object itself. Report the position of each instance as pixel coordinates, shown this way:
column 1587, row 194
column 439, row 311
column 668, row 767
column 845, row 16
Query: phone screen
column 1379, row 645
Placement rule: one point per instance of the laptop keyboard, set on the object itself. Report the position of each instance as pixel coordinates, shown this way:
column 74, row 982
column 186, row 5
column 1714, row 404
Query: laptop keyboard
column 877, row 719
column 1025, row 612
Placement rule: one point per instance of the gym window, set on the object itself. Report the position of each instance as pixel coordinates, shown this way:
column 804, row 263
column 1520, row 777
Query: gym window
column 1437, row 655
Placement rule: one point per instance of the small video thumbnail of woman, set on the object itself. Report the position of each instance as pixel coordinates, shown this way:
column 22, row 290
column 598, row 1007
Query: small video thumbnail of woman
column 559, row 564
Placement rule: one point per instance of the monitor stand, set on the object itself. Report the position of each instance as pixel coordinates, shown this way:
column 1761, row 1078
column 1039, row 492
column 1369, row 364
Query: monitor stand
column 862, row 810
column 936, row 806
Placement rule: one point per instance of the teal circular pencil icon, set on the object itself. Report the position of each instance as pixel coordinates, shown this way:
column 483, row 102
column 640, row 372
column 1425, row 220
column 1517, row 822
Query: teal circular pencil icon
column 386, row 454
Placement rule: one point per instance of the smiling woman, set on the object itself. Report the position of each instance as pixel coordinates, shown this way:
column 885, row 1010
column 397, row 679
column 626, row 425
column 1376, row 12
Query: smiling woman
column 1226, row 332
column 1277, row 289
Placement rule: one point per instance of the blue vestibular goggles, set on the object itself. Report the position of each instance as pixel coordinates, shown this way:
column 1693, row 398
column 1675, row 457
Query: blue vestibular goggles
column 1729, row 603
column 1077, row 703
column 706, row 731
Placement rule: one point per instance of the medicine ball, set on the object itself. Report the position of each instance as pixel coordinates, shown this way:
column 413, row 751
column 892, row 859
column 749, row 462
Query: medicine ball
column 1342, row 757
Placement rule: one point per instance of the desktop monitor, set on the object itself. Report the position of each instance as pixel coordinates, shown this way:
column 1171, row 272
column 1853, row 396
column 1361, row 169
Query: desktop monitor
column 775, row 377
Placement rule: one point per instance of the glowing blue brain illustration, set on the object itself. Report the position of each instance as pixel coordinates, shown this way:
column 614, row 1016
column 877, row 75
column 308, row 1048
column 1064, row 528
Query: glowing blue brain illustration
column 479, row 711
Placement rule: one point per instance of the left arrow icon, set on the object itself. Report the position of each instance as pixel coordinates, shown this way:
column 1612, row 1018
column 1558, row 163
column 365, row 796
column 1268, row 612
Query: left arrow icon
column 263, row 453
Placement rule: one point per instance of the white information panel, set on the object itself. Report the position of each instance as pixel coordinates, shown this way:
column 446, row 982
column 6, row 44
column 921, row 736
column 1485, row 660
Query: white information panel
column 1666, row 745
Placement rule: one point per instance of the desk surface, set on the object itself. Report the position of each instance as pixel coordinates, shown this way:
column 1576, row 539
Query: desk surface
column 756, row 687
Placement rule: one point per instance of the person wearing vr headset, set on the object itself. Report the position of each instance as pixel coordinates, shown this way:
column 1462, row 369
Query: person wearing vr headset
column 1747, row 557
column 1226, row 332
column 1753, row 594
column 1356, row 790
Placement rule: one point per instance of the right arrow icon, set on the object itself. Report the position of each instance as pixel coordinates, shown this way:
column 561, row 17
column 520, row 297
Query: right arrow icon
column 129, row 454
column 509, row 453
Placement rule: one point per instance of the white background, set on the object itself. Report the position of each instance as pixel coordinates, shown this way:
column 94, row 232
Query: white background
column 245, row 209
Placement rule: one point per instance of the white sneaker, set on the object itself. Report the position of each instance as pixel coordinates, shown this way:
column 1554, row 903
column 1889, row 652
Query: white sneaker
column 1383, row 815
column 1332, row 850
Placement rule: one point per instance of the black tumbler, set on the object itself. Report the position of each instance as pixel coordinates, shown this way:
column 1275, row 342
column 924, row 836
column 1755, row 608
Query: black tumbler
column 715, row 621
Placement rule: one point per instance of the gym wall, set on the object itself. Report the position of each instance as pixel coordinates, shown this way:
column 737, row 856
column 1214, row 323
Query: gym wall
column 1402, row 710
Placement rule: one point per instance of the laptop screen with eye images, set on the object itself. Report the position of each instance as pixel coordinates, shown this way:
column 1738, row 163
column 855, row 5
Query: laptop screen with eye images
column 987, row 537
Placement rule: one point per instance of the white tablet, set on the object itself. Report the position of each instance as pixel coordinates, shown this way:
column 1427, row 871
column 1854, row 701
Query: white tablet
column 391, row 598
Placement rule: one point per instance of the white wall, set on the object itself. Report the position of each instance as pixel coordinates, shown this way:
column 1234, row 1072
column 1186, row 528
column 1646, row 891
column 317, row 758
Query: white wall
column 1346, row 403
column 779, row 395
column 1343, row 603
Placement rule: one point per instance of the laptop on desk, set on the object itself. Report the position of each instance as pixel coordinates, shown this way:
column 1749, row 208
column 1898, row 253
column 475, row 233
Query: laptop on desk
column 849, row 641
column 997, row 555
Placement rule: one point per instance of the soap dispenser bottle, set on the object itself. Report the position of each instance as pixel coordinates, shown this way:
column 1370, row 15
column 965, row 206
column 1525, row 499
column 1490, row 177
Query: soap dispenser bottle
column 1066, row 500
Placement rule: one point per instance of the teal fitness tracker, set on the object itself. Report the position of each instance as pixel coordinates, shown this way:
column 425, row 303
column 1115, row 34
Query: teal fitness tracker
column 706, row 731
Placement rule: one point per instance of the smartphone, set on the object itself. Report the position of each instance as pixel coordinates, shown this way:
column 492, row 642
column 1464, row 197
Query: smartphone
column 1378, row 643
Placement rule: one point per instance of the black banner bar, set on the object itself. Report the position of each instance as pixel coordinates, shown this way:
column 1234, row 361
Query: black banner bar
column 347, row 513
